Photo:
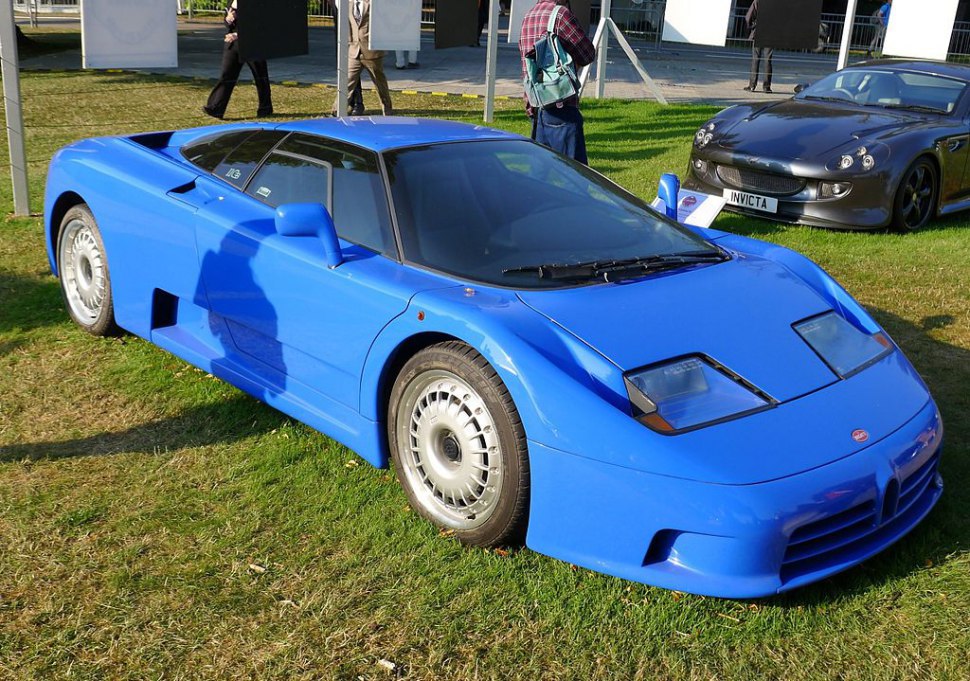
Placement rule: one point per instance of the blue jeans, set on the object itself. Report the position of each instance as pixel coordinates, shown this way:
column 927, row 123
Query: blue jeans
column 561, row 130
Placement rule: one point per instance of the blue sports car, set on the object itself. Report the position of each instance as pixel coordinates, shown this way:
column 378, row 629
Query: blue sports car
column 540, row 355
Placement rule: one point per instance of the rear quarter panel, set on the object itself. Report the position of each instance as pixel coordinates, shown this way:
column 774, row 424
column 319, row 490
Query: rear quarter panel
column 148, row 234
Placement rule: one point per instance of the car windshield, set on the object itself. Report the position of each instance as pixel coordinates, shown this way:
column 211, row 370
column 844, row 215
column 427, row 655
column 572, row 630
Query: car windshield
column 495, row 211
column 888, row 89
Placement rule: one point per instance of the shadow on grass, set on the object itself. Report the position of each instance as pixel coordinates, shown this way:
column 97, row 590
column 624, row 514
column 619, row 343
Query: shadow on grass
column 206, row 425
column 29, row 303
column 944, row 533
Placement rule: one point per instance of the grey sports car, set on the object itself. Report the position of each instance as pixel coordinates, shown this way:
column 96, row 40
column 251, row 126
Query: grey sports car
column 880, row 144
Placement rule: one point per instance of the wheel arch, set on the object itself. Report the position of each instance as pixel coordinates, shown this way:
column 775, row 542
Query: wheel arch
column 374, row 402
column 65, row 202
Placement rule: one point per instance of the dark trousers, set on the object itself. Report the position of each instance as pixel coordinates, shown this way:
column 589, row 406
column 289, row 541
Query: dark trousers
column 561, row 129
column 756, row 54
column 232, row 65
column 482, row 20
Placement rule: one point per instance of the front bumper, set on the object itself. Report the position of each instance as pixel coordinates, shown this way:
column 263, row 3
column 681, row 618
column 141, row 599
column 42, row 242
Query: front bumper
column 735, row 541
column 867, row 206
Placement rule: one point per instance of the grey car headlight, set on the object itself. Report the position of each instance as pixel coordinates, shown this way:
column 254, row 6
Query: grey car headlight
column 843, row 347
column 690, row 392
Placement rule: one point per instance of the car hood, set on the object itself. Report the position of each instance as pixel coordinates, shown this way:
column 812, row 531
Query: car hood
column 800, row 130
column 739, row 313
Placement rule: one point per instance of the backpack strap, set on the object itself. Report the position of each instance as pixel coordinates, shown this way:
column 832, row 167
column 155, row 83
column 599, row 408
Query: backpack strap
column 551, row 28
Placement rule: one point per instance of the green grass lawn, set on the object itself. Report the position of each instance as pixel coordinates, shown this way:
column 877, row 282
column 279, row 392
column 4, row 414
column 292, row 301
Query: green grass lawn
column 157, row 523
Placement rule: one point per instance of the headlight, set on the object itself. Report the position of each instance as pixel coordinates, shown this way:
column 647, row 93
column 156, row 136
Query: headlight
column 861, row 159
column 688, row 393
column 704, row 136
column 843, row 347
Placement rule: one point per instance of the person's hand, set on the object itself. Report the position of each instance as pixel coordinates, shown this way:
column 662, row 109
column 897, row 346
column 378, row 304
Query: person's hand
column 231, row 37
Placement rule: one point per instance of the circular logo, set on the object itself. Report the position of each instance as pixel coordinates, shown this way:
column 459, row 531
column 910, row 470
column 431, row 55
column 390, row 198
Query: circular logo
column 689, row 200
column 859, row 435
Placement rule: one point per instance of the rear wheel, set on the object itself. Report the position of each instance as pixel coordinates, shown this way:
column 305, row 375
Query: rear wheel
column 916, row 196
column 83, row 268
column 458, row 446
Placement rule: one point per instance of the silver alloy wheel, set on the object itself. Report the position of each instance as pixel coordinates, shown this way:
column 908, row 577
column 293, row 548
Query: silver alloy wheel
column 450, row 449
column 82, row 271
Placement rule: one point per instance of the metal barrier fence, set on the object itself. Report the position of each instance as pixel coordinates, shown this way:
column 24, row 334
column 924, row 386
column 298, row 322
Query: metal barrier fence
column 639, row 19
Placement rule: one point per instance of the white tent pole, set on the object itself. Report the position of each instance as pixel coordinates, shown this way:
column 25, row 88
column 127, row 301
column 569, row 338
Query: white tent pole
column 13, row 108
column 605, row 11
column 632, row 56
column 491, row 60
column 343, row 60
column 847, row 34
column 597, row 38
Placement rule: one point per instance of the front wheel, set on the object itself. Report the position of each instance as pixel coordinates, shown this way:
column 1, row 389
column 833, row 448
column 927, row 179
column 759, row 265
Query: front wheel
column 83, row 268
column 458, row 446
column 916, row 196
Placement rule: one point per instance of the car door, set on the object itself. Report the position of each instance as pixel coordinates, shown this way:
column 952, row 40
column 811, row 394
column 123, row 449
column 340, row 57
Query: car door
column 301, row 326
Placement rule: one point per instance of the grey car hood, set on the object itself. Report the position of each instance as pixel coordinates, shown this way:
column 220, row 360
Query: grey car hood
column 802, row 130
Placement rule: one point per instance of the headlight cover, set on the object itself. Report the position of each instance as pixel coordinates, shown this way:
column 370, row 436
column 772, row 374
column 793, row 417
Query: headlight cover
column 690, row 392
column 842, row 346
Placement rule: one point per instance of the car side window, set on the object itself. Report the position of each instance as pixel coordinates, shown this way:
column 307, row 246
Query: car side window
column 237, row 167
column 287, row 178
column 347, row 179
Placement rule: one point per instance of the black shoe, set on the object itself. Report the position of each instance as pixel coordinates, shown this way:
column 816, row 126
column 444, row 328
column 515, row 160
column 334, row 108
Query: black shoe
column 262, row 113
column 749, row 88
column 357, row 112
column 400, row 68
column 768, row 89
column 209, row 112
column 413, row 65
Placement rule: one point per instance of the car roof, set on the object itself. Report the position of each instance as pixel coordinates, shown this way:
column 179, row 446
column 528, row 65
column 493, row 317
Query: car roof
column 940, row 68
column 380, row 133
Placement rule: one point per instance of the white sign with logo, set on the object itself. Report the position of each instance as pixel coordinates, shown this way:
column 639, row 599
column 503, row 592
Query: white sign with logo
column 700, row 22
column 395, row 25
column 693, row 208
column 128, row 34
column 918, row 30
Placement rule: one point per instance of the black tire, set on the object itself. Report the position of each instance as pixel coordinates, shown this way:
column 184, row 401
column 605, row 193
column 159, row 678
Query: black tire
column 82, row 265
column 915, row 202
column 458, row 445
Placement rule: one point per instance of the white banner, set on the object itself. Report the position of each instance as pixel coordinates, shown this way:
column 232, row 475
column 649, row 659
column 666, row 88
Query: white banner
column 919, row 29
column 519, row 9
column 395, row 25
column 128, row 34
column 700, row 22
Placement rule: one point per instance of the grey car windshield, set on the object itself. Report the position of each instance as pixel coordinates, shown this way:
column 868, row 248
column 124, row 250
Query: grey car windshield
column 482, row 209
column 888, row 89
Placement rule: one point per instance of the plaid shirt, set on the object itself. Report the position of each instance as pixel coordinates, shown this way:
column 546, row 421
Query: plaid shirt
column 567, row 29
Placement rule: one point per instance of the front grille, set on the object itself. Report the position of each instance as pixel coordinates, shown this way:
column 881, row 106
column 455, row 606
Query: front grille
column 848, row 535
column 756, row 181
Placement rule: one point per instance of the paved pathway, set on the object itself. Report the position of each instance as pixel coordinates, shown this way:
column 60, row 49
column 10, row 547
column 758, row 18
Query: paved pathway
column 685, row 73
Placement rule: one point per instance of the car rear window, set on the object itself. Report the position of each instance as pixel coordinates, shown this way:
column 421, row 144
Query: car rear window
column 238, row 166
column 209, row 152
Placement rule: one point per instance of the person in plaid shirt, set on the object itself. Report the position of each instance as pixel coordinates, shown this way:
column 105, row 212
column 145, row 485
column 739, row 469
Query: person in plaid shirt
column 559, row 127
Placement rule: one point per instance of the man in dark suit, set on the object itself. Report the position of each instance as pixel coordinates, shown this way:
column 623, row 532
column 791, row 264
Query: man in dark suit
column 232, row 63
column 751, row 18
column 362, row 57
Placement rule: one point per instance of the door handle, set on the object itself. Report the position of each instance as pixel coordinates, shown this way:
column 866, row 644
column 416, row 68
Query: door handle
column 955, row 144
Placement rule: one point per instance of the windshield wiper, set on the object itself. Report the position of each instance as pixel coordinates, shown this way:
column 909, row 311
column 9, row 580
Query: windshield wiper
column 615, row 270
column 913, row 107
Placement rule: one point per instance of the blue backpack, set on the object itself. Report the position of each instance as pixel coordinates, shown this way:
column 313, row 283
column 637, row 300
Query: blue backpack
column 550, row 75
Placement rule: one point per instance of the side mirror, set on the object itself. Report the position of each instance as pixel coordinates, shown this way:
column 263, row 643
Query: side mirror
column 800, row 87
column 667, row 191
column 310, row 219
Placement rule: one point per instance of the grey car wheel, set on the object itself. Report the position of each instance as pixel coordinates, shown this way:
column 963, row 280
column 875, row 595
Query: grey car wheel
column 458, row 446
column 83, row 268
column 916, row 197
